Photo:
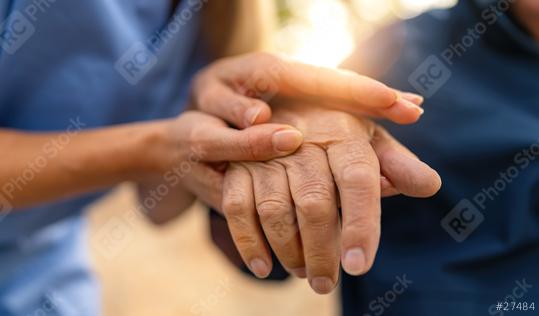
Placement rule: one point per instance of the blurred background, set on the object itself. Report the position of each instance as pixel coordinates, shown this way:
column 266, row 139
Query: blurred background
column 175, row 270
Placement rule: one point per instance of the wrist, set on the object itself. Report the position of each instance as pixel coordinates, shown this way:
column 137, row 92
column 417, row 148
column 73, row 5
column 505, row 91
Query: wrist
column 155, row 148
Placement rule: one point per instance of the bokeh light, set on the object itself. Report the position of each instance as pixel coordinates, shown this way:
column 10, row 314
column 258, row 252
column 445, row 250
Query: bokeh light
column 324, row 32
column 321, row 36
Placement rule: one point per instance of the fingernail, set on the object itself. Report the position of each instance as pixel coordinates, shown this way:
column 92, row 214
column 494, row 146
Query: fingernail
column 414, row 98
column 287, row 140
column 251, row 115
column 410, row 105
column 354, row 261
column 322, row 285
column 300, row 272
column 259, row 268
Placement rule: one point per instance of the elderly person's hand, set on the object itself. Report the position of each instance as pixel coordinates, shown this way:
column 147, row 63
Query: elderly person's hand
column 344, row 161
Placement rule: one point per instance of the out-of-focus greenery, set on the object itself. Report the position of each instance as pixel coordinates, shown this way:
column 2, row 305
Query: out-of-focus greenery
column 284, row 12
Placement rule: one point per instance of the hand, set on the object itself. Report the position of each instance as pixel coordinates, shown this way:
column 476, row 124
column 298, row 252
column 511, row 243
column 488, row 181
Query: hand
column 193, row 148
column 236, row 89
column 292, row 201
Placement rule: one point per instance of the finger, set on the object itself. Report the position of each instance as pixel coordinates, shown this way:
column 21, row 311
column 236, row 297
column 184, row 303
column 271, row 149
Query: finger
column 313, row 192
column 412, row 97
column 215, row 142
column 357, row 93
column 202, row 181
column 403, row 111
column 303, row 80
column 218, row 99
column 408, row 174
column 220, row 235
column 277, row 214
column 386, row 187
column 269, row 75
column 357, row 175
column 240, row 213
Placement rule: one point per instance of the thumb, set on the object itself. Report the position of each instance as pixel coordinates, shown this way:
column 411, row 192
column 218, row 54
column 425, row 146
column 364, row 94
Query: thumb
column 257, row 143
column 221, row 101
column 408, row 175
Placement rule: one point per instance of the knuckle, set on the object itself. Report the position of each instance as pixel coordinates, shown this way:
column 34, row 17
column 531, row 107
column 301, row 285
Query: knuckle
column 316, row 216
column 313, row 193
column 273, row 209
column 362, row 225
column 245, row 242
column 278, row 219
column 304, row 157
column 266, row 171
column 305, row 153
column 313, row 200
column 235, row 205
column 323, row 263
column 314, row 204
column 359, row 174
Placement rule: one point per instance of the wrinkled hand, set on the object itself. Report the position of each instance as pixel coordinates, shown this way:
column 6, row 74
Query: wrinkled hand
column 292, row 202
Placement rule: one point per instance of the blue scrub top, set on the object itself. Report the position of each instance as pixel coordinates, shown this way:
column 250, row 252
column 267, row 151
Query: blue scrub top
column 66, row 65
column 476, row 243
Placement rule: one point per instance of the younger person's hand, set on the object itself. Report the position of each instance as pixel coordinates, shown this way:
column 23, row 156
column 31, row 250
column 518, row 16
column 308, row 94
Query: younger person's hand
column 238, row 90
column 189, row 152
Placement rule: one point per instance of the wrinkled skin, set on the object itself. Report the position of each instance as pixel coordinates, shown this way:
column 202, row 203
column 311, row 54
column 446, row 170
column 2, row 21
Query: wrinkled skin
column 292, row 202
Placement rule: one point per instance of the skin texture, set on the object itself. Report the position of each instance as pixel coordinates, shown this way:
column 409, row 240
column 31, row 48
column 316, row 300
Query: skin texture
column 96, row 159
column 291, row 202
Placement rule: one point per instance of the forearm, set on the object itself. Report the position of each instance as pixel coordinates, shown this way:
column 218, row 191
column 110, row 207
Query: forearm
column 41, row 167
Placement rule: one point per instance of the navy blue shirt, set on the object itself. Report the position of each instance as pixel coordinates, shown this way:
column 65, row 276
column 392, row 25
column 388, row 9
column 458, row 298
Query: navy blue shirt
column 476, row 242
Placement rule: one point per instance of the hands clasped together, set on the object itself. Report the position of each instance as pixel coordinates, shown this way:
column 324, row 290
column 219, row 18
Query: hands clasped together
column 306, row 150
